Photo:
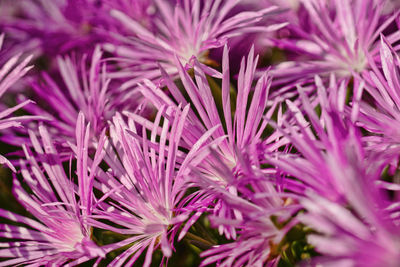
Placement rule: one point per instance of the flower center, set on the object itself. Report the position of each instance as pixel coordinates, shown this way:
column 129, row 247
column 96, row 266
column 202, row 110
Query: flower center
column 68, row 235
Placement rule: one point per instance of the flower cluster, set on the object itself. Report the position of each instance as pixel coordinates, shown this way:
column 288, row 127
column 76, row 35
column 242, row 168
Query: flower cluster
column 200, row 132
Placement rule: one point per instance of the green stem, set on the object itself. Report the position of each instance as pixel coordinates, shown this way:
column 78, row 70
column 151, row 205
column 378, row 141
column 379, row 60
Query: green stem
column 198, row 241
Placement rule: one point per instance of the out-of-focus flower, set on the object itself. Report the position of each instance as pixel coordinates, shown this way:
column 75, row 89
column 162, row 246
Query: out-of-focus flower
column 84, row 89
column 355, row 223
column 61, row 232
column 188, row 30
column 265, row 217
column 333, row 36
column 10, row 73
column 146, row 183
column 141, row 11
column 361, row 234
column 381, row 117
column 322, row 143
column 50, row 28
column 259, row 4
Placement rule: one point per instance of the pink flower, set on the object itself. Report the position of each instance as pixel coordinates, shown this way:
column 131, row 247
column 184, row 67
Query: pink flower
column 361, row 234
column 60, row 232
column 10, row 73
column 243, row 128
column 188, row 30
column 146, row 184
column 380, row 117
column 256, row 202
column 333, row 37
column 83, row 89
column 327, row 148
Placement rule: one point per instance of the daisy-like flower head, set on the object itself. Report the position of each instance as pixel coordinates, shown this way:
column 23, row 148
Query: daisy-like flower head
column 355, row 223
column 322, row 143
column 345, row 239
column 188, row 30
column 50, row 28
column 243, row 127
column 84, row 89
column 59, row 232
column 364, row 233
column 380, row 117
column 146, row 183
column 10, row 73
column 334, row 36
column 256, row 204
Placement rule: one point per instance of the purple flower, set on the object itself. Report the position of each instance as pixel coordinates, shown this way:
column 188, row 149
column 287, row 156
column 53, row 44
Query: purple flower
column 257, row 201
column 333, row 36
column 243, row 130
column 381, row 117
column 141, row 11
column 60, row 232
column 83, row 89
column 364, row 234
column 355, row 222
column 188, row 30
column 51, row 28
column 10, row 73
column 146, row 184
column 321, row 161
column 344, row 199
column 282, row 175
column 244, row 126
